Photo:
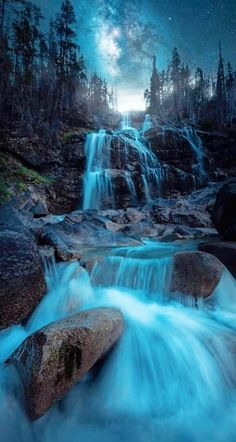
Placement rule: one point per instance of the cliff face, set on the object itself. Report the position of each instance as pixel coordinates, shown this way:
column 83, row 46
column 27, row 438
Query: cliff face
column 55, row 167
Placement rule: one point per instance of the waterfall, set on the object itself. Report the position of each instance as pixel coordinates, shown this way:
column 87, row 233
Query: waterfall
column 97, row 180
column 174, row 367
column 145, row 269
column 195, row 142
column 103, row 175
column 147, row 124
column 126, row 121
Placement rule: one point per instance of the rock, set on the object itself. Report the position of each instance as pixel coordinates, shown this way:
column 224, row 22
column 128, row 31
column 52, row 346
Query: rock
column 113, row 227
column 16, row 220
column 71, row 240
column 224, row 211
column 195, row 273
column 183, row 231
column 224, row 251
column 172, row 237
column 140, row 229
column 22, row 283
column 179, row 211
column 57, row 356
column 40, row 209
column 134, row 215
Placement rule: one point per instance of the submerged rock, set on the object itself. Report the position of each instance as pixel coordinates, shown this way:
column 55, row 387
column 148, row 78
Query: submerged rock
column 195, row 273
column 22, row 283
column 54, row 358
column 224, row 251
column 224, row 211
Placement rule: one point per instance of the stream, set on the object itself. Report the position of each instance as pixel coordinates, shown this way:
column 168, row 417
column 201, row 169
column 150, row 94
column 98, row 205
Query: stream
column 170, row 378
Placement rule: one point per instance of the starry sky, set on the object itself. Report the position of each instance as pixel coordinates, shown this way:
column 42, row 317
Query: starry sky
column 119, row 37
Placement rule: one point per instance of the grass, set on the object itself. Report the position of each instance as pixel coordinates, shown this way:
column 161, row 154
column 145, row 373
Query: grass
column 14, row 177
column 31, row 176
column 5, row 194
column 67, row 135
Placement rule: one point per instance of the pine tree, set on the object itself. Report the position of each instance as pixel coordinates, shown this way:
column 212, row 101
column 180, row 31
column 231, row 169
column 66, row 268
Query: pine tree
column 175, row 74
column 230, row 85
column 185, row 90
column 220, row 89
column 199, row 92
column 67, row 46
column 155, row 88
column 27, row 37
column 147, row 98
column 5, row 75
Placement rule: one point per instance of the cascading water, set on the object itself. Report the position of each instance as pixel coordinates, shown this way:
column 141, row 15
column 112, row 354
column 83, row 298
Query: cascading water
column 102, row 171
column 97, row 180
column 147, row 123
column 126, row 121
column 191, row 135
column 171, row 377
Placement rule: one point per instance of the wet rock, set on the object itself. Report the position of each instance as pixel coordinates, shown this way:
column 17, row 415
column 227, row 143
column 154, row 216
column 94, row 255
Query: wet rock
column 40, row 209
column 71, row 240
column 172, row 237
column 224, row 211
column 54, row 358
column 22, row 283
column 179, row 211
column 141, row 229
column 195, row 273
column 224, row 251
column 114, row 227
column 135, row 215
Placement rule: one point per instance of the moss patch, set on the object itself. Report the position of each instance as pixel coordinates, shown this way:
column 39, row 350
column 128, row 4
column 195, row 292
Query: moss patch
column 14, row 177
column 67, row 135
column 5, row 194
column 31, row 176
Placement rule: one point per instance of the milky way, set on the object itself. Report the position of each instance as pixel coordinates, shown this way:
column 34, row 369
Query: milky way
column 118, row 37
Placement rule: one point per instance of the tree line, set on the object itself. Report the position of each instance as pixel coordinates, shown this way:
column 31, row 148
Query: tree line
column 180, row 93
column 43, row 75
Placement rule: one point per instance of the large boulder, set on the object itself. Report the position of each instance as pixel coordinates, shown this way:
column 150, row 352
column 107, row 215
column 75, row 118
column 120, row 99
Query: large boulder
column 22, row 283
column 224, row 211
column 54, row 358
column 72, row 239
column 224, row 251
column 195, row 273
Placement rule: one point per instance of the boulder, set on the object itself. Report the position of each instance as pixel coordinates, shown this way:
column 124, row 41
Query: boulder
column 71, row 240
column 224, row 251
column 140, row 229
column 224, row 211
column 54, row 358
column 22, row 283
column 40, row 209
column 195, row 273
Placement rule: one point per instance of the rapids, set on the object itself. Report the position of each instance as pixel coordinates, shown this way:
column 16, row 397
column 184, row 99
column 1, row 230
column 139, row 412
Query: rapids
column 172, row 376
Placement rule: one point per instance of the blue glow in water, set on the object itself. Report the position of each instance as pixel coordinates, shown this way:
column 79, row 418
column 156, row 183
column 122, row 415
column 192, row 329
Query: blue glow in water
column 97, row 180
column 126, row 121
column 171, row 377
column 147, row 124
column 191, row 135
column 100, row 185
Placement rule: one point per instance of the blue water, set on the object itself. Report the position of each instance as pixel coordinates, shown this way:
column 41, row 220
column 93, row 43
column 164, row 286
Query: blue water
column 108, row 164
column 172, row 376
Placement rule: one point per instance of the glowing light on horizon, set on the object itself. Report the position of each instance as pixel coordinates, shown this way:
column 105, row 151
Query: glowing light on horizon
column 130, row 101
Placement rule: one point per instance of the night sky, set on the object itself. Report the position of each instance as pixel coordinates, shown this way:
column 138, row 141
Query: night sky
column 118, row 37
